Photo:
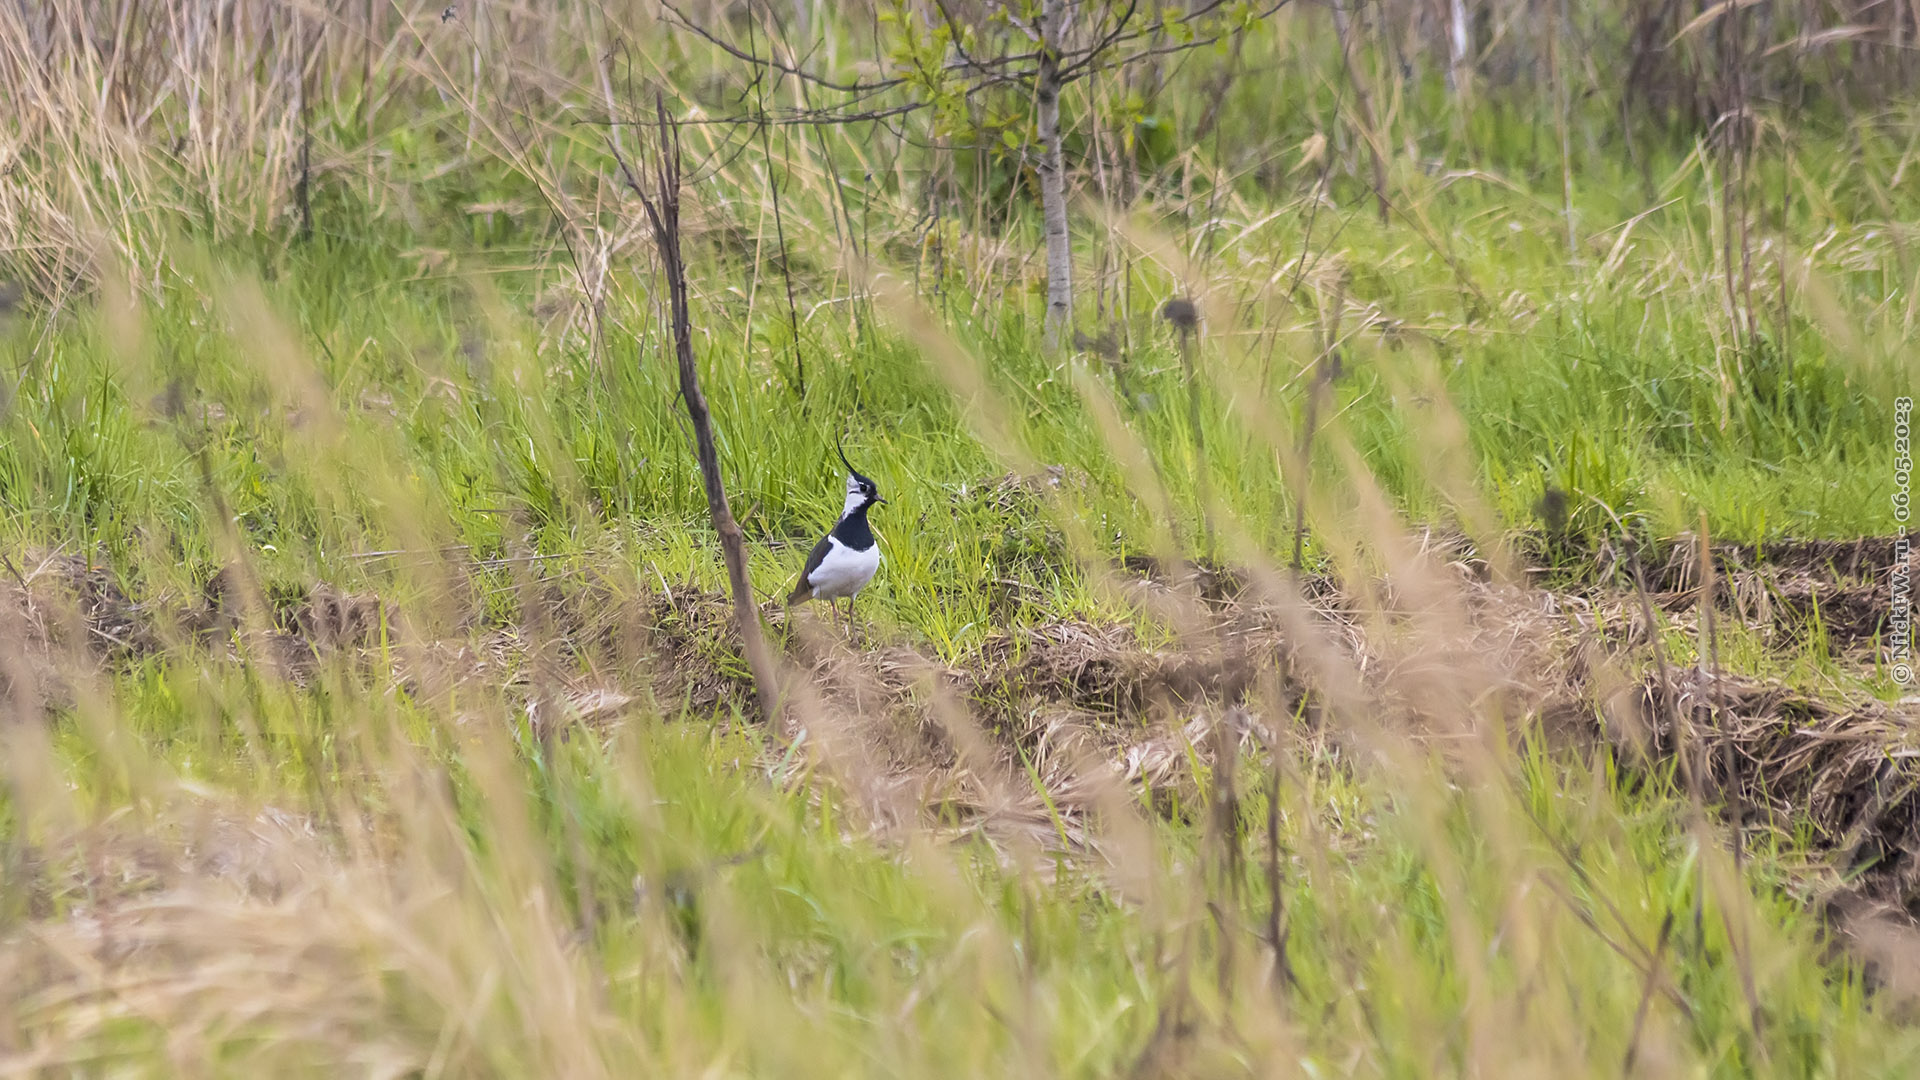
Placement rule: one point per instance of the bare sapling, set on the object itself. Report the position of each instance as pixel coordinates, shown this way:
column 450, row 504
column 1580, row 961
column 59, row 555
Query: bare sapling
column 1225, row 826
column 1278, row 926
column 1054, row 44
column 1053, row 181
column 1185, row 317
column 1459, row 48
column 663, row 210
column 1325, row 370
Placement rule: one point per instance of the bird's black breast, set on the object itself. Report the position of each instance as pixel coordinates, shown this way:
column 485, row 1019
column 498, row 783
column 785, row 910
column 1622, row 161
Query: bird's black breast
column 852, row 531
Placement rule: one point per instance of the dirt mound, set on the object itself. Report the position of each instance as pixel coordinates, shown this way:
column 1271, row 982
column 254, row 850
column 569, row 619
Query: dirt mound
column 1771, row 756
column 1054, row 696
column 1789, row 591
column 1104, row 670
column 1209, row 581
column 1827, row 561
column 1786, row 591
column 1775, row 758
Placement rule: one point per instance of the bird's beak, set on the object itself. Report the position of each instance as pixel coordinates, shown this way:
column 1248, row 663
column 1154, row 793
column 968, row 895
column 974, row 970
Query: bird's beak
column 878, row 501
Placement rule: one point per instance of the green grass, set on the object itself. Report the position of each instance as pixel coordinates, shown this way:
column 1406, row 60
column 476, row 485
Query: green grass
column 850, row 957
column 517, row 431
column 208, row 868
column 707, row 913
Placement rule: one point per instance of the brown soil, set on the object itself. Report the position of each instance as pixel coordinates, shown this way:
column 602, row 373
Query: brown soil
column 1053, row 697
column 1786, row 590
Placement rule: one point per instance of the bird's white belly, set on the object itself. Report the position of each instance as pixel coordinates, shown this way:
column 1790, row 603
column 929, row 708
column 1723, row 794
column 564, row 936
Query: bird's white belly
column 844, row 571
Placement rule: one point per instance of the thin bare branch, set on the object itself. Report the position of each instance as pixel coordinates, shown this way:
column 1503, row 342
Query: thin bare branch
column 663, row 211
column 768, row 62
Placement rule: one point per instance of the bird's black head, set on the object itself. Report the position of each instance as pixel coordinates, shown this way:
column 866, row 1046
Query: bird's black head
column 862, row 492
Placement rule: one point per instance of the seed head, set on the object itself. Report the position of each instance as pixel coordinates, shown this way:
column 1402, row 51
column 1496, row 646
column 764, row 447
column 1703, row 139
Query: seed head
column 1182, row 313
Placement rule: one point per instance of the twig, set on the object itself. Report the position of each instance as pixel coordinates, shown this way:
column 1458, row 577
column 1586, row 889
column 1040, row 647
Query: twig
column 767, row 61
column 1663, row 697
column 1343, row 27
column 786, row 269
column 1325, row 370
column 1226, row 827
column 1710, row 667
column 1736, row 799
column 1198, row 432
column 1278, row 929
column 663, row 210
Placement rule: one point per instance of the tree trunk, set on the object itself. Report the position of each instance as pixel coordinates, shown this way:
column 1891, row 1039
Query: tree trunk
column 1459, row 41
column 1053, row 181
column 663, row 207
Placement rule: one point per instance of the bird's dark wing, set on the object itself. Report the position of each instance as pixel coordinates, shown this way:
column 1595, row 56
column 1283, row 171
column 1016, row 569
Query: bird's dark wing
column 803, row 589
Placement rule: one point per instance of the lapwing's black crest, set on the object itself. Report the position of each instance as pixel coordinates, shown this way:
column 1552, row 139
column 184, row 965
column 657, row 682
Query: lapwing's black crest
column 845, row 559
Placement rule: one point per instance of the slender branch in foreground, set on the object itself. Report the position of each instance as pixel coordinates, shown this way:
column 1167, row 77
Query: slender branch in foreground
column 663, row 210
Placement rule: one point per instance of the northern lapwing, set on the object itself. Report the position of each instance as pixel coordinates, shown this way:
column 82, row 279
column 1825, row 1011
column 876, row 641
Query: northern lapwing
column 845, row 559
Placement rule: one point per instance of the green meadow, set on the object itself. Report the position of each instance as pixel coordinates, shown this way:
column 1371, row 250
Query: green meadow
column 369, row 703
